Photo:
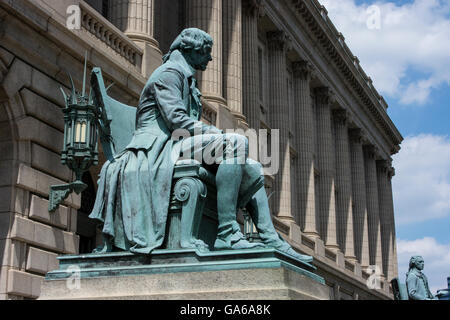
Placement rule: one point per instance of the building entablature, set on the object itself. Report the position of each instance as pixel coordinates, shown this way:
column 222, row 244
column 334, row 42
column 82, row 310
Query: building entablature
column 325, row 39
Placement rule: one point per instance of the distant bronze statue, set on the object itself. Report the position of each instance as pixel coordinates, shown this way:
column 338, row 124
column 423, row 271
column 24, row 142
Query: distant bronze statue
column 135, row 183
column 416, row 281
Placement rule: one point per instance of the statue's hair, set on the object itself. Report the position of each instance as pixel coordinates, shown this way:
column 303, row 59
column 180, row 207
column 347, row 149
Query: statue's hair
column 413, row 261
column 188, row 39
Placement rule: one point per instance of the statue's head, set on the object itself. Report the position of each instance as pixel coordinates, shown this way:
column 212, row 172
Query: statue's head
column 195, row 45
column 416, row 262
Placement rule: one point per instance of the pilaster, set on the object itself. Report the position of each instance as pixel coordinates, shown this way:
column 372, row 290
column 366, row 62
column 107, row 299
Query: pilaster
column 327, row 171
column 373, row 210
column 360, row 215
column 232, row 55
column 344, row 201
column 250, row 71
column 207, row 16
column 305, row 140
column 137, row 20
column 279, row 118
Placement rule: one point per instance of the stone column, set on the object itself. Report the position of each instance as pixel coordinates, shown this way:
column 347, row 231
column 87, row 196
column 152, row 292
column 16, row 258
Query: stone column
column 232, row 55
column 207, row 15
column 326, row 164
column 393, row 259
column 305, row 135
column 279, row 119
column 137, row 20
column 250, row 71
column 373, row 211
column 359, row 197
column 344, row 201
column 385, row 205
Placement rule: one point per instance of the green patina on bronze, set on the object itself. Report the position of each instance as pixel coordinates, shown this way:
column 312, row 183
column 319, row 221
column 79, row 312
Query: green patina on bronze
column 80, row 149
column 147, row 199
column 416, row 286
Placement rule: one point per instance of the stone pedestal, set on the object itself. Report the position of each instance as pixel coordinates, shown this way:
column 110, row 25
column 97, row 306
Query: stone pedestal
column 185, row 274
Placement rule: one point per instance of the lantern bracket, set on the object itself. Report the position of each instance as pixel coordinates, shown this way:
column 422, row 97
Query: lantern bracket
column 59, row 193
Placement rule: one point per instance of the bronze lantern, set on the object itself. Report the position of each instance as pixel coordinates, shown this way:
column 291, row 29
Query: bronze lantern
column 80, row 147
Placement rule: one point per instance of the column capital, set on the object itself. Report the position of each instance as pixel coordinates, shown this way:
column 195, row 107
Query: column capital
column 253, row 8
column 278, row 40
column 371, row 151
column 324, row 95
column 302, row 69
column 357, row 135
column 383, row 165
column 391, row 172
column 341, row 116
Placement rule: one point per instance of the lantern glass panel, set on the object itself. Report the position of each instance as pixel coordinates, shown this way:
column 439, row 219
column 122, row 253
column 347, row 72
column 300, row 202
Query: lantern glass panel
column 83, row 132
column 68, row 134
column 93, row 135
column 78, row 132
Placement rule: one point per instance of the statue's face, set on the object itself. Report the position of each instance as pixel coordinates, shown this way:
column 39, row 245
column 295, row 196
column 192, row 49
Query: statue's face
column 199, row 59
column 420, row 264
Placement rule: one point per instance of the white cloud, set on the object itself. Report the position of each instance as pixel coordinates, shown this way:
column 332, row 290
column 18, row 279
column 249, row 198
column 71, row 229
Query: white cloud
column 435, row 255
column 421, row 186
column 409, row 55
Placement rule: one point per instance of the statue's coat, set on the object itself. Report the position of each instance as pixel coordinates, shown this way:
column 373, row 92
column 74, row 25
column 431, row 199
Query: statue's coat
column 134, row 190
column 417, row 285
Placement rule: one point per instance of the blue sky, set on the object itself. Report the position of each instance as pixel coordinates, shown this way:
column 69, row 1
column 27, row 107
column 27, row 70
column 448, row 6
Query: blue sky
column 404, row 46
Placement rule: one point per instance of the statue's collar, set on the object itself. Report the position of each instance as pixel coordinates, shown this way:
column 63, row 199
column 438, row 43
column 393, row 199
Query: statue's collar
column 418, row 273
column 177, row 57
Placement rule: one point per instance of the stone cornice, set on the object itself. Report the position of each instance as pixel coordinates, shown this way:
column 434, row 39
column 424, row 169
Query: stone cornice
column 333, row 43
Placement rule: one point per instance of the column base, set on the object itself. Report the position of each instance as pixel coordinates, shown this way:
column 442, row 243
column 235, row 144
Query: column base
column 311, row 234
column 352, row 258
column 137, row 36
column 333, row 247
column 152, row 57
column 216, row 99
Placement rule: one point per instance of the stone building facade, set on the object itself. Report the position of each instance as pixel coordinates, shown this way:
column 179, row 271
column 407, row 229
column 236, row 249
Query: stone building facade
column 278, row 64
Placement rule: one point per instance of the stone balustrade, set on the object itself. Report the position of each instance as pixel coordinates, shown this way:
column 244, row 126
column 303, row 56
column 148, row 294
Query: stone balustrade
column 106, row 32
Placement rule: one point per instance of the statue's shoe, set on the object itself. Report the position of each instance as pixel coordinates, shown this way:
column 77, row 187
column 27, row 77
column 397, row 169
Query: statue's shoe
column 284, row 247
column 196, row 244
column 241, row 243
column 105, row 247
column 296, row 255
